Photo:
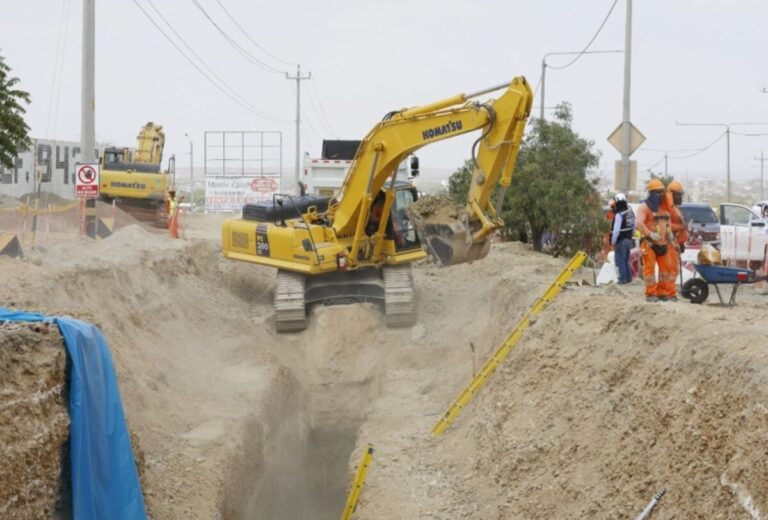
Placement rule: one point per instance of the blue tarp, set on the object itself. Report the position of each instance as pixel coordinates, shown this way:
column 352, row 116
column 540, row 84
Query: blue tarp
column 105, row 483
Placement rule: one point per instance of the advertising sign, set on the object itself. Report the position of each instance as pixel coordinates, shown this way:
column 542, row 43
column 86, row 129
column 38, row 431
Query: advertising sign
column 232, row 193
column 87, row 180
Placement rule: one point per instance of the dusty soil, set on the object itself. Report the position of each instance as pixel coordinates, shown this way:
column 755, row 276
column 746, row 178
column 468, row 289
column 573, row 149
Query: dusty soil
column 435, row 209
column 34, row 425
column 606, row 399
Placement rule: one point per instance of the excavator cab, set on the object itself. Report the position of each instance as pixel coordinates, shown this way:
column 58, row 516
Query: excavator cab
column 404, row 231
column 400, row 227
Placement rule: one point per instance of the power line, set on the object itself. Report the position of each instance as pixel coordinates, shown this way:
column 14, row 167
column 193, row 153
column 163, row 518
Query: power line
column 262, row 49
column 656, row 164
column 749, row 135
column 702, row 150
column 195, row 54
column 324, row 117
column 306, row 120
column 58, row 70
column 239, row 48
column 319, row 118
column 590, row 41
column 233, row 96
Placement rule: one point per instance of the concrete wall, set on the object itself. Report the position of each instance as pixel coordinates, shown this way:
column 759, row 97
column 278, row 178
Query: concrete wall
column 56, row 162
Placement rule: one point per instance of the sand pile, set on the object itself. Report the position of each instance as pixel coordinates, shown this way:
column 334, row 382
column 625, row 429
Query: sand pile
column 606, row 400
column 34, row 424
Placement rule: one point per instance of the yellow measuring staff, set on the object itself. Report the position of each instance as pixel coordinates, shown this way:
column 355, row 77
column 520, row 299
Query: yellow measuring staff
column 357, row 484
column 501, row 353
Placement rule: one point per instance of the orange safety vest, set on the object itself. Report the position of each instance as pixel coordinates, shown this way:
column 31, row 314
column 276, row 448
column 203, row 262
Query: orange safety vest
column 657, row 221
column 678, row 226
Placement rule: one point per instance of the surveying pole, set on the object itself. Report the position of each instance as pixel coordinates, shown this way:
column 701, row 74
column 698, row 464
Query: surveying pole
column 298, row 77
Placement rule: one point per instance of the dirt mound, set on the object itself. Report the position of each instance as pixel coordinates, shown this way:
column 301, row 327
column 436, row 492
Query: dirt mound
column 34, row 424
column 604, row 401
column 607, row 401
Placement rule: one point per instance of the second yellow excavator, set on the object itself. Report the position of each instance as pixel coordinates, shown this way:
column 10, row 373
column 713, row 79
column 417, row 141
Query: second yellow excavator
column 134, row 179
column 360, row 244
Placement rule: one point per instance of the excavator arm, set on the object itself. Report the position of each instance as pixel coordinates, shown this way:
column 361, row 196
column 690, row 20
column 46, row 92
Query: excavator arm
column 149, row 145
column 402, row 133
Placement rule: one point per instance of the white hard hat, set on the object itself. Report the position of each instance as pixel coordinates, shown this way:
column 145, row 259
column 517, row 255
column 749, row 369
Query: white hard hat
column 619, row 197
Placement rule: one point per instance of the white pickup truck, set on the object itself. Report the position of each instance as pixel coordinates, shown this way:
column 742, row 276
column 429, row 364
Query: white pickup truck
column 324, row 176
column 743, row 236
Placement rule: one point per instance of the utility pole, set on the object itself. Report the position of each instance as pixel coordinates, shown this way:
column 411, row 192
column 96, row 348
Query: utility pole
column 88, row 107
column 298, row 77
column 88, row 94
column 625, row 152
column 762, row 162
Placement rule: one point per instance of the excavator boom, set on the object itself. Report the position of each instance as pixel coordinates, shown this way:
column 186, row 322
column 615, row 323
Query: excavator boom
column 402, row 133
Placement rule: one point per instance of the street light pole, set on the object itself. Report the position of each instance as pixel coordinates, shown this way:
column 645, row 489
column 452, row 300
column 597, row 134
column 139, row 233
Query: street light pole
column 728, row 163
column 544, row 70
column 543, row 83
column 191, row 172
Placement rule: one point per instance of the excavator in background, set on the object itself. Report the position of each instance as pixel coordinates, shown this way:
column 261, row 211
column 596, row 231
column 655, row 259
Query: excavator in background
column 133, row 177
column 360, row 244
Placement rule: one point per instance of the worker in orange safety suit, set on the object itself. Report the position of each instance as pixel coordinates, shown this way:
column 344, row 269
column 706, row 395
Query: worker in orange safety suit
column 173, row 213
column 672, row 199
column 653, row 224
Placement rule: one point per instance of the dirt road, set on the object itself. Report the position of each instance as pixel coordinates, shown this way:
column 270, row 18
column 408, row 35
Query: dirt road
column 606, row 400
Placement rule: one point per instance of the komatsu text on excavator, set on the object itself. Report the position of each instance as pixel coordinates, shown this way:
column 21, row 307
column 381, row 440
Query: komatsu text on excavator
column 360, row 244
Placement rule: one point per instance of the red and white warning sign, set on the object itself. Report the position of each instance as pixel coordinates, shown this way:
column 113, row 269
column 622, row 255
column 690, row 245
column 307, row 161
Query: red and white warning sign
column 87, row 180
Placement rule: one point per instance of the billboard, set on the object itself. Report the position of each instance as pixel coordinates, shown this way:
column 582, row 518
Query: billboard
column 232, row 193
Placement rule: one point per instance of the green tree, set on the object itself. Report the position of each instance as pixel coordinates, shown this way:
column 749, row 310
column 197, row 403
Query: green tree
column 14, row 132
column 552, row 201
column 458, row 183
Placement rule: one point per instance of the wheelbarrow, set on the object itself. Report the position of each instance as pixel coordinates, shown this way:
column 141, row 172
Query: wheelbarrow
column 697, row 288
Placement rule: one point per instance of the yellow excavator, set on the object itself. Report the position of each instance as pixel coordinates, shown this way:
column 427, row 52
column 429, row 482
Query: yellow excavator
column 133, row 178
column 360, row 244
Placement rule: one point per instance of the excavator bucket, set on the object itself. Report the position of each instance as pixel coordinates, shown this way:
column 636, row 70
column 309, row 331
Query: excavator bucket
column 445, row 231
column 10, row 245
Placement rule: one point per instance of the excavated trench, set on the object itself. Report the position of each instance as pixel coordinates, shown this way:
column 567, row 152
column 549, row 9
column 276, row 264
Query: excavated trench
column 297, row 450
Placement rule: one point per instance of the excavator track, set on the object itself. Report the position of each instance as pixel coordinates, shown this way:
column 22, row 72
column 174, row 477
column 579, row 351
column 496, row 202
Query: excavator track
column 399, row 297
column 290, row 307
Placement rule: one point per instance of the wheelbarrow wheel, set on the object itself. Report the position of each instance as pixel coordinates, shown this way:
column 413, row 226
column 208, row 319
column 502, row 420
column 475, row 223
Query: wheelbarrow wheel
column 696, row 290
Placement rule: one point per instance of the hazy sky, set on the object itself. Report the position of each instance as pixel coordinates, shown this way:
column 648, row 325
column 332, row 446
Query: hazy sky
column 692, row 61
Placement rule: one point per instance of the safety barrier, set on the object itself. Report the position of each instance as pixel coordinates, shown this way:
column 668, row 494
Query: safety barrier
column 503, row 351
